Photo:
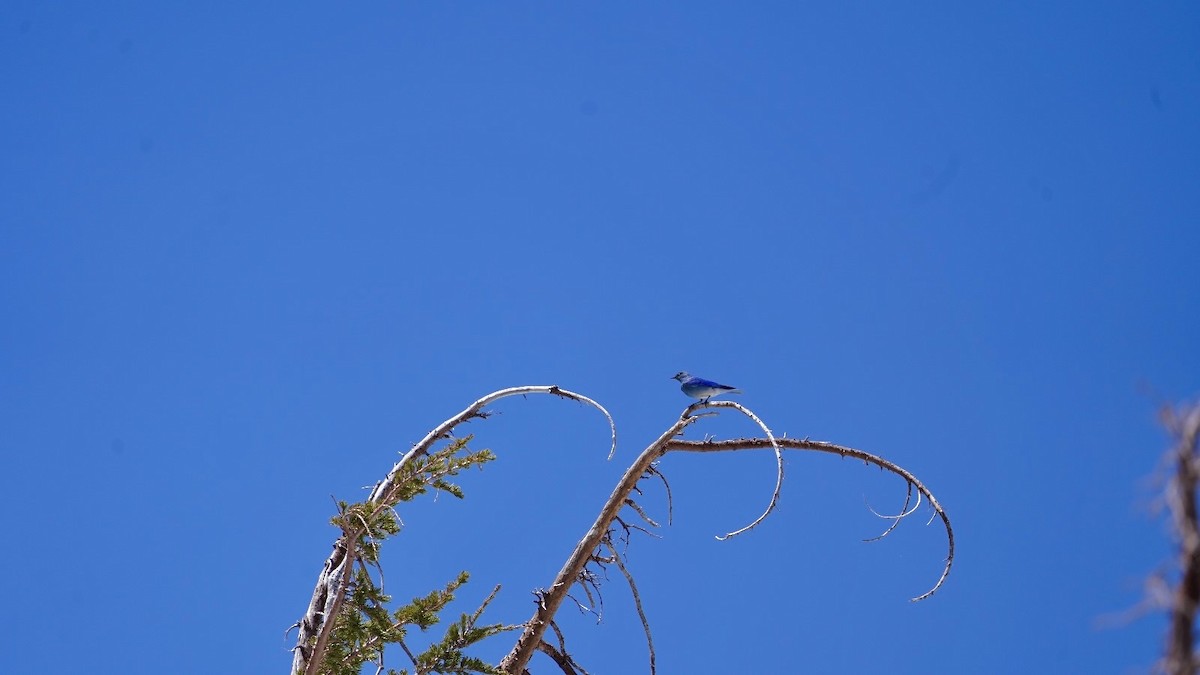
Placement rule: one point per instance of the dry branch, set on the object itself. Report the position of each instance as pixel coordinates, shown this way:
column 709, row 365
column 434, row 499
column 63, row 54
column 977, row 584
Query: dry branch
column 820, row 446
column 904, row 513
column 637, row 602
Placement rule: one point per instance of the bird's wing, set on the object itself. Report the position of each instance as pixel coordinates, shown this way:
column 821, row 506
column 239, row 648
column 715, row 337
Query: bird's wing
column 700, row 381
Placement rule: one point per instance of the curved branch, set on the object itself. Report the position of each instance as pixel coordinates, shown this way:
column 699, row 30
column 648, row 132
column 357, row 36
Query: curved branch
column 778, row 459
column 904, row 513
column 653, row 471
column 476, row 410
column 329, row 594
column 821, row 446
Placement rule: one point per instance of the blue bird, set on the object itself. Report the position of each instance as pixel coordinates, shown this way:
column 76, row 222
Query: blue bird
column 698, row 387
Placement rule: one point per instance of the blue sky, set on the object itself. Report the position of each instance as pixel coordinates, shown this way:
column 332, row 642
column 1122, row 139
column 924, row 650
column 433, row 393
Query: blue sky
column 251, row 252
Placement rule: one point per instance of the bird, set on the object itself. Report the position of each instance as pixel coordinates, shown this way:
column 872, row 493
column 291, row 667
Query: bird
column 698, row 387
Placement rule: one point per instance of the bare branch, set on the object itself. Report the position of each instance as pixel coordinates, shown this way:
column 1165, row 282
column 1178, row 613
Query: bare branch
column 821, row 446
column 627, row 528
column 562, row 642
column 778, row 460
column 588, row 582
column 653, row 470
column 561, row 656
column 896, row 519
column 904, row 511
column 638, row 510
column 411, row 657
column 637, row 601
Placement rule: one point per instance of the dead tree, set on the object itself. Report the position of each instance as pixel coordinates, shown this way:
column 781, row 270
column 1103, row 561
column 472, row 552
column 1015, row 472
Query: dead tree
column 344, row 573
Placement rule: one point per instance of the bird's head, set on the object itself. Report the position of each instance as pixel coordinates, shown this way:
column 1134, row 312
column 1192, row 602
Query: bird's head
column 681, row 376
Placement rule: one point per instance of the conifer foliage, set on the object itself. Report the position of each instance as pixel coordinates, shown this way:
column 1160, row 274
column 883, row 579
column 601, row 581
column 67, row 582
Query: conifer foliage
column 365, row 627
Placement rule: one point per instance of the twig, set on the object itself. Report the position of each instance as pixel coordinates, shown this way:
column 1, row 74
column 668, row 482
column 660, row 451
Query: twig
column 563, row 661
column 654, row 471
column 896, row 519
column 638, row 510
column 563, row 657
column 626, row 528
column 411, row 657
column 637, row 601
